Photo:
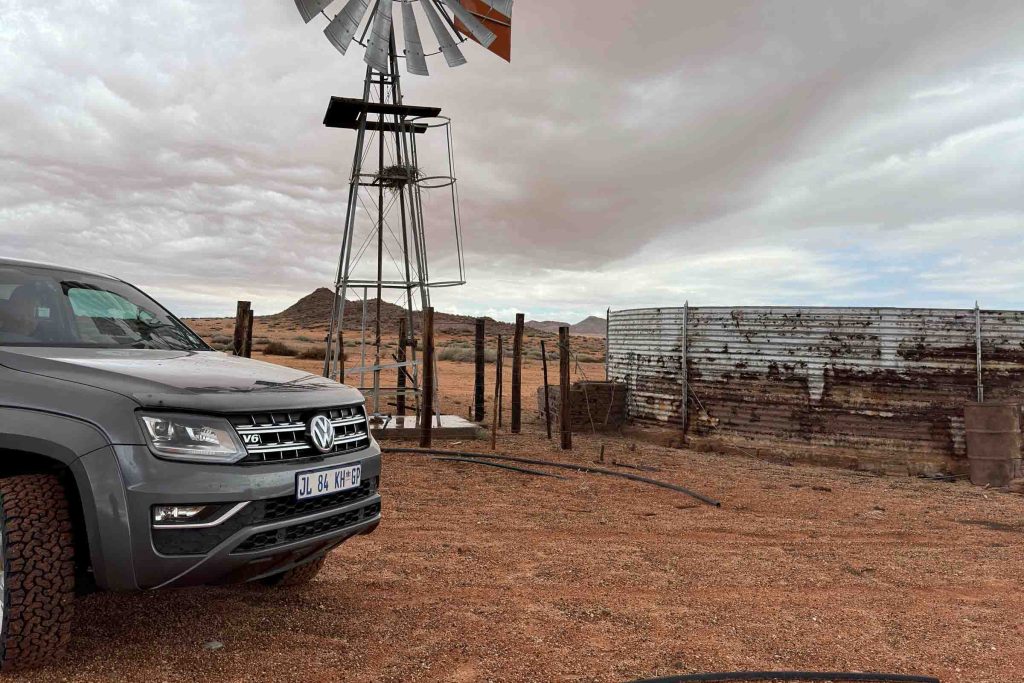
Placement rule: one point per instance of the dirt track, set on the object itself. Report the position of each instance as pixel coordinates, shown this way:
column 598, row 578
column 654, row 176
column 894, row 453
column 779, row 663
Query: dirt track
column 479, row 574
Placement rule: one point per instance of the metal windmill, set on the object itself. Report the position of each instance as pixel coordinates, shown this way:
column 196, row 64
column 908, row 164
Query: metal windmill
column 388, row 188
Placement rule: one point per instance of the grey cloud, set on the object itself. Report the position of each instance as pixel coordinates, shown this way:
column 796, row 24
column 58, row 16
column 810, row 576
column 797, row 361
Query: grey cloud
column 178, row 142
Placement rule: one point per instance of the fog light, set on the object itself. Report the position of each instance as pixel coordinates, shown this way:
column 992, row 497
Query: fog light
column 176, row 513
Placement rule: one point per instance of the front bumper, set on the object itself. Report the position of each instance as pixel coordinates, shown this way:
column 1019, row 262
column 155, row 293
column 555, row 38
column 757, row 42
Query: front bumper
column 270, row 534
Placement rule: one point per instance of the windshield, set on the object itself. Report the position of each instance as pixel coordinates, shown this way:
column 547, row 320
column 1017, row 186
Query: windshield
column 43, row 307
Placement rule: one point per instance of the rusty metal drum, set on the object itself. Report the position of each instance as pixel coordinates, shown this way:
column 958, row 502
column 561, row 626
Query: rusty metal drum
column 993, row 442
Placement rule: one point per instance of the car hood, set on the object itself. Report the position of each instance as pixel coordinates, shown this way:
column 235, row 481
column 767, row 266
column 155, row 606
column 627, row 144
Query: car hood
column 207, row 381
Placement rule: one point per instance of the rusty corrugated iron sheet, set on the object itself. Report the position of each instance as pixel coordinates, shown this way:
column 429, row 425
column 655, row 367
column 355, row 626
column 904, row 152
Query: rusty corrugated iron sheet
column 882, row 388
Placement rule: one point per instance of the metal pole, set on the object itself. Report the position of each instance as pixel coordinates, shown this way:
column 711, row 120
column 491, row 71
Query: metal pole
column 402, row 130
column 400, row 356
column 331, row 363
column 977, row 340
column 684, row 367
column 607, row 337
column 362, row 342
column 380, row 244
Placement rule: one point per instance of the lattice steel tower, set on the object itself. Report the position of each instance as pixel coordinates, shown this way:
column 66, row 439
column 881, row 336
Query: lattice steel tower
column 395, row 191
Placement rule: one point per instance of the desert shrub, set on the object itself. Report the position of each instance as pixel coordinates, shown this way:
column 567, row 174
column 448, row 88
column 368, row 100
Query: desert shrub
column 465, row 354
column 456, row 354
column 587, row 358
column 222, row 339
column 303, row 338
column 314, row 353
column 279, row 349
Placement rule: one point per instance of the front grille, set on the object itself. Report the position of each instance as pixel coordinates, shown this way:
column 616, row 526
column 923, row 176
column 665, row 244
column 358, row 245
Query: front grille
column 201, row 541
column 299, row 532
column 281, row 436
column 283, row 508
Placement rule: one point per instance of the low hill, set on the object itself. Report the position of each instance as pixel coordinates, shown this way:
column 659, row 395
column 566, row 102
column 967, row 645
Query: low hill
column 590, row 327
column 313, row 311
column 546, row 325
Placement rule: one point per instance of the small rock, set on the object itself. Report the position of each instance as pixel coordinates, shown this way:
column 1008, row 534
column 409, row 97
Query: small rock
column 213, row 645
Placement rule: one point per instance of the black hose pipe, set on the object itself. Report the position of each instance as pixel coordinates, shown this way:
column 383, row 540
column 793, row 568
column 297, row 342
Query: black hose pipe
column 805, row 676
column 513, row 468
column 562, row 465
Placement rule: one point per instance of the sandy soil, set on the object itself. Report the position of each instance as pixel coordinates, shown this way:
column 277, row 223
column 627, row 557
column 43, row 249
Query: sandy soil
column 484, row 575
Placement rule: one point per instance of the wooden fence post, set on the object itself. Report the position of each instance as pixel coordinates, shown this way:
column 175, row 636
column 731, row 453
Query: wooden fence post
column 400, row 357
column 427, row 413
column 517, row 375
column 496, row 419
column 547, row 397
column 499, row 409
column 478, row 379
column 241, row 322
column 565, row 418
column 247, row 344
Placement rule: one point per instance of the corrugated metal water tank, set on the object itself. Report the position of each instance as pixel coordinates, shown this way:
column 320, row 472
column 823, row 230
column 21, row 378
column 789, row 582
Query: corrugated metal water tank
column 872, row 388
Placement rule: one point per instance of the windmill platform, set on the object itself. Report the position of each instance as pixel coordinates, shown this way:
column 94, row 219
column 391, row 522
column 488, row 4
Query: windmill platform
column 403, row 428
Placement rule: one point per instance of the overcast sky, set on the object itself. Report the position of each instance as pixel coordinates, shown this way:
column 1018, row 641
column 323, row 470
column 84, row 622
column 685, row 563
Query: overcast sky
column 847, row 152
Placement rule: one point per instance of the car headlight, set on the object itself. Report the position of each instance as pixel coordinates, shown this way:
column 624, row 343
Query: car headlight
column 194, row 438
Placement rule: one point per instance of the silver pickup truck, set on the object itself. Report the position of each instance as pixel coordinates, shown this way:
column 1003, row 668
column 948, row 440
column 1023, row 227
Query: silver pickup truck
column 135, row 457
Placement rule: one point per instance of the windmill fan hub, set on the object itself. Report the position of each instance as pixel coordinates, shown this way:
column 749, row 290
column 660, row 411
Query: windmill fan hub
column 488, row 22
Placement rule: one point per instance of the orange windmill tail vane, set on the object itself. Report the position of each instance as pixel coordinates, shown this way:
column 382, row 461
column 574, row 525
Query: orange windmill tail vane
column 498, row 23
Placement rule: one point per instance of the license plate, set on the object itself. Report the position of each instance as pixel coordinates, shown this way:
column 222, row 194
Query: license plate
column 324, row 482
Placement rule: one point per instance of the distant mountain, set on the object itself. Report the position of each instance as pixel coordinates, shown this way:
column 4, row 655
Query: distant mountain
column 592, row 326
column 313, row 311
column 546, row 325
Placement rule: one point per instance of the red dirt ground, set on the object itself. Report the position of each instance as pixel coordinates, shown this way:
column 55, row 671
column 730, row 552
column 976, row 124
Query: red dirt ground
column 478, row 574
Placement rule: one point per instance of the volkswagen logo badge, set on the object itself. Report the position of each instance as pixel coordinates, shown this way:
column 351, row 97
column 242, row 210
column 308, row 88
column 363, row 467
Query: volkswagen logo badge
column 321, row 433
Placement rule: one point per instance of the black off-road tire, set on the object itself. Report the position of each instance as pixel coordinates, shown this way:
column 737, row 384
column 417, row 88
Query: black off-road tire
column 299, row 576
column 37, row 556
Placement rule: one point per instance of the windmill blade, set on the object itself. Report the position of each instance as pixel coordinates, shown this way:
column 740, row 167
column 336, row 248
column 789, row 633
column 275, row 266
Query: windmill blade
column 480, row 33
column 415, row 60
column 452, row 54
column 380, row 38
column 503, row 7
column 310, row 8
column 344, row 26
